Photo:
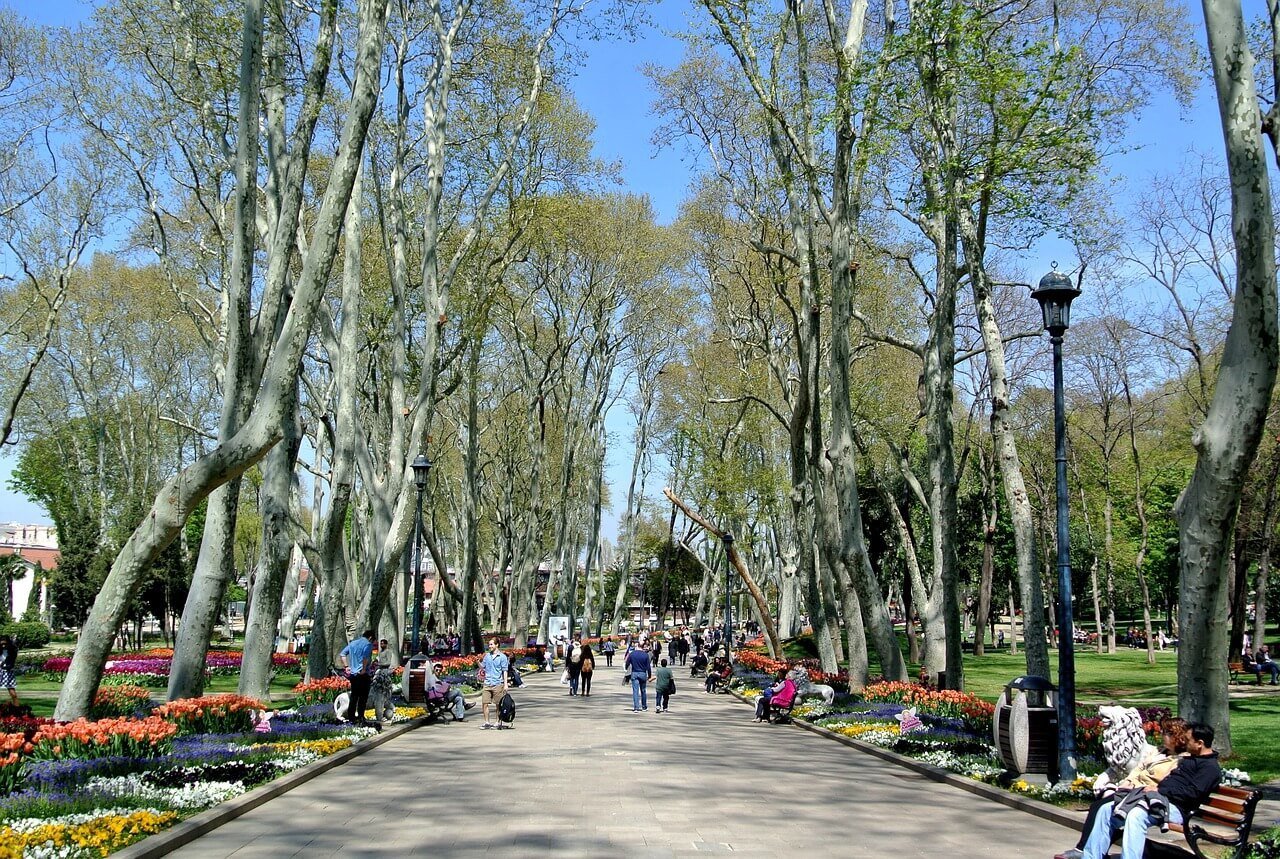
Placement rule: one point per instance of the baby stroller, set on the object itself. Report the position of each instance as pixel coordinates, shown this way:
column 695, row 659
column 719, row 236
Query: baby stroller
column 698, row 665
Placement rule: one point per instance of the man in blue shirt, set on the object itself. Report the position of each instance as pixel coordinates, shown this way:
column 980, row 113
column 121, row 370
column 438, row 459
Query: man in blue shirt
column 357, row 658
column 640, row 668
column 493, row 676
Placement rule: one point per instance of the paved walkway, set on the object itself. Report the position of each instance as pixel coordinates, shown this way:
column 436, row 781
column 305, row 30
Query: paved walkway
column 587, row 777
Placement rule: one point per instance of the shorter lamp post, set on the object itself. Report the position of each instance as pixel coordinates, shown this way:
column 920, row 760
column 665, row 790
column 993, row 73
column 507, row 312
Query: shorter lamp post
column 728, row 596
column 1055, row 294
column 421, row 467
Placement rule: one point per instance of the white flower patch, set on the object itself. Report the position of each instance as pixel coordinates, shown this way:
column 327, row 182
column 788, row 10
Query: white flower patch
column 49, row 851
column 296, row 759
column 965, row 766
column 30, row 824
column 201, row 794
column 884, row 739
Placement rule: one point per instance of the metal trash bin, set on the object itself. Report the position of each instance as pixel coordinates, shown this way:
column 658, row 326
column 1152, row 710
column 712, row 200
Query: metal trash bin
column 1026, row 726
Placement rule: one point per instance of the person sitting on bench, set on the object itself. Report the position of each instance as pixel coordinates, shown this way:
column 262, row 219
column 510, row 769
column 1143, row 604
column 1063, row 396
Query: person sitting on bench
column 698, row 665
column 718, row 674
column 1264, row 662
column 1173, row 745
column 1190, row 784
column 437, row 690
column 780, row 696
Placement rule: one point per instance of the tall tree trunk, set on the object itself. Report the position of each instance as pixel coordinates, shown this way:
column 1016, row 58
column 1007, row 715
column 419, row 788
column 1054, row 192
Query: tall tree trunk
column 1107, row 550
column 1226, row 442
column 1268, row 541
column 1015, row 487
column 263, row 613
column 629, row 530
column 471, row 526
column 1239, row 591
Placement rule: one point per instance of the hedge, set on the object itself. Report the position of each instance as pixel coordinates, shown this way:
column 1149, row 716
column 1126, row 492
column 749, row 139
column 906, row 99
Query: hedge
column 27, row 635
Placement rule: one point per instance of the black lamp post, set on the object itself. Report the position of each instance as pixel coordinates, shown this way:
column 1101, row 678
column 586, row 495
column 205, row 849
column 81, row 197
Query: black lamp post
column 421, row 467
column 728, row 596
column 1055, row 294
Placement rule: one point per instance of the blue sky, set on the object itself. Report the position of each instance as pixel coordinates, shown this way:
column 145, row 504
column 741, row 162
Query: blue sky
column 612, row 88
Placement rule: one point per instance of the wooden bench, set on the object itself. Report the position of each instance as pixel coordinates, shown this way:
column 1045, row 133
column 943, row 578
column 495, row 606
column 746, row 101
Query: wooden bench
column 1238, row 668
column 782, row 715
column 1229, row 816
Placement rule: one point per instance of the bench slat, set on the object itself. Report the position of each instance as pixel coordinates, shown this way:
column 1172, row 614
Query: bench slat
column 1239, row 793
column 1210, row 815
column 1226, row 803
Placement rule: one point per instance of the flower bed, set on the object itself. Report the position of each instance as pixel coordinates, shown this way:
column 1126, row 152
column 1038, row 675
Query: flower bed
column 945, row 728
column 151, row 667
column 88, row 788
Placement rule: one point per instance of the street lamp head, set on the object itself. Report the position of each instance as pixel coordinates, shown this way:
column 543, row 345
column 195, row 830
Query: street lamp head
column 727, row 538
column 1055, row 294
column 421, row 467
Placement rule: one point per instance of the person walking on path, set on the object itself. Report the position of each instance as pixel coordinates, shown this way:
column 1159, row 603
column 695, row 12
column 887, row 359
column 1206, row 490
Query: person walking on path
column 588, row 668
column 640, row 669
column 573, row 664
column 682, row 648
column 664, row 686
column 608, row 649
column 9, row 667
column 357, row 659
column 493, row 679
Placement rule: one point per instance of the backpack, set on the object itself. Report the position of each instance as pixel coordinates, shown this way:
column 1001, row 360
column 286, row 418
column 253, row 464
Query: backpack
column 507, row 709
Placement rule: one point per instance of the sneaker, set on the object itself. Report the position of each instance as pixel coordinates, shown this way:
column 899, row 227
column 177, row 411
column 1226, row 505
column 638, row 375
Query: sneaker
column 1073, row 853
column 486, row 726
column 502, row 727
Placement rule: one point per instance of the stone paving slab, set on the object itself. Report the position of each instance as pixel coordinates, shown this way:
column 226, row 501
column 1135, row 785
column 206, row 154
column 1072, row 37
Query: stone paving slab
column 587, row 777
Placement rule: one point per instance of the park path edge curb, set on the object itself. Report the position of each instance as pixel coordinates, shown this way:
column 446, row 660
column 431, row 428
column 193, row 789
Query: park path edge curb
column 163, row 843
column 1070, row 819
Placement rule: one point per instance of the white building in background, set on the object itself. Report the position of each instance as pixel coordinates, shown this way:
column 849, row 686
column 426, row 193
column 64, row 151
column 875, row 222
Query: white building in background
column 37, row 545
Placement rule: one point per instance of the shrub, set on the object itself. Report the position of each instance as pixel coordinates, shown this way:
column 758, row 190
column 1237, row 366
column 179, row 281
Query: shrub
column 28, row 636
